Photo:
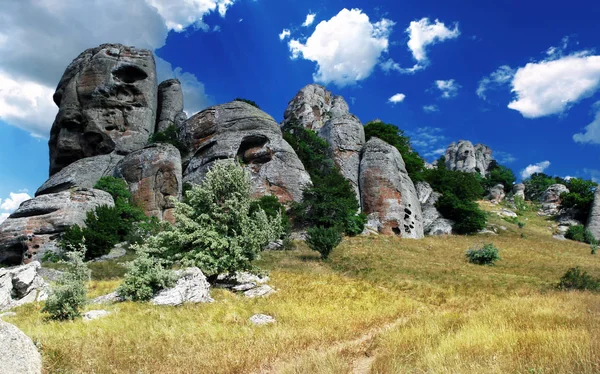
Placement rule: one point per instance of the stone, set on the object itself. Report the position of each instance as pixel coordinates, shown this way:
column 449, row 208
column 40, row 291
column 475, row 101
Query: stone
column 440, row 226
column 469, row 158
column 519, row 190
column 50, row 275
column 244, row 287
column 170, row 105
column 107, row 99
column 240, row 281
column 313, row 106
column 155, row 179
column 424, row 191
column 19, row 353
column 264, row 290
column 21, row 285
column 496, row 194
column 116, row 252
column 35, row 227
column 191, row 287
column 388, row 195
column 550, row 199
column 506, row 213
column 94, row 314
column 81, row 173
column 261, row 319
column 593, row 222
column 433, row 222
column 240, row 130
column 110, row 298
column 275, row 245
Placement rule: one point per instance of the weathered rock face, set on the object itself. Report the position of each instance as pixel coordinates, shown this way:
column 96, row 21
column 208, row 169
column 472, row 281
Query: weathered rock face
column 154, row 177
column 593, row 223
column 19, row 354
column 496, row 194
column 239, row 130
column 107, row 102
column 433, row 222
column 170, row 105
column 318, row 109
column 21, row 285
column 192, row 287
column 519, row 190
column 81, row 173
column 388, row 195
column 550, row 199
column 35, row 226
column 464, row 156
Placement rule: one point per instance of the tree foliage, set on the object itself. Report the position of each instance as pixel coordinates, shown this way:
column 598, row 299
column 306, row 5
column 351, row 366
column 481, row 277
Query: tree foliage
column 323, row 240
column 579, row 198
column 537, row 183
column 247, row 102
column 500, row 175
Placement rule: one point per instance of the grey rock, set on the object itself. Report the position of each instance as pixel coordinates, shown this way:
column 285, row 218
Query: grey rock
column 274, row 245
column 313, row 106
column 433, row 222
column 559, row 237
column 110, row 298
column 81, row 173
column 240, row 130
column 440, row 226
column 496, row 194
column 107, row 100
column 593, row 222
column 116, row 252
column 36, row 225
column 424, row 191
column 191, row 287
column 506, row 213
column 170, row 105
column 519, row 190
column 264, row 290
column 155, row 179
column 244, row 287
column 19, row 354
column 487, row 232
column 240, row 279
column 94, row 314
column 469, row 158
column 21, row 285
column 261, row 319
column 388, row 195
column 550, row 200
column 50, row 275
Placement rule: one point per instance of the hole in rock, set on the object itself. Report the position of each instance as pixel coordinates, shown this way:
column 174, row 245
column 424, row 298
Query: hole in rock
column 396, row 230
column 129, row 74
column 252, row 150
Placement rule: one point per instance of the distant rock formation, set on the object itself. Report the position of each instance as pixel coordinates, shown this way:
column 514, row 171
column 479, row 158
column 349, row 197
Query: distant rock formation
column 550, row 199
column 313, row 106
column 388, row 195
column 593, row 223
column 496, row 194
column 466, row 157
column 433, row 222
column 170, row 105
column 519, row 190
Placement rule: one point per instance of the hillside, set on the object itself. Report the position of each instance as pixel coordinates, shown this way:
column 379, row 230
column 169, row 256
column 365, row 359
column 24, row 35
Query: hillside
column 378, row 305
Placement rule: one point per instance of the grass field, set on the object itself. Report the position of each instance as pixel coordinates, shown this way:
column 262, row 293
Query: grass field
column 379, row 305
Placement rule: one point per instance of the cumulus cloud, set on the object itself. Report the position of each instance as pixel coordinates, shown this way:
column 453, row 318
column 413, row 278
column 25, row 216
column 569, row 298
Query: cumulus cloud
column 310, row 18
column 346, row 48
column 431, row 108
column 285, row 33
column 397, row 98
column 504, row 157
column 448, row 88
column 591, row 132
column 38, row 39
column 423, row 33
column 428, row 141
column 499, row 78
column 13, row 201
column 540, row 167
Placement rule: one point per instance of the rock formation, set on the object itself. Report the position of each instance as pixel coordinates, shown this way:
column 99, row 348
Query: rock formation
column 35, row 226
column 464, row 156
column 19, row 354
column 388, row 195
column 191, row 287
column 155, row 179
column 21, row 285
column 433, row 222
column 496, row 194
column 519, row 190
column 313, row 106
column 593, row 223
column 107, row 103
column 240, row 130
column 550, row 199
column 170, row 105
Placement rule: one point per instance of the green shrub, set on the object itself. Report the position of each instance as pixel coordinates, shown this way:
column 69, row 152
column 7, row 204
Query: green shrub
column 486, row 255
column 521, row 224
column 521, row 207
column 580, row 233
column 499, row 175
column 247, row 102
column 576, row 279
column 537, row 183
column 273, row 208
column 579, row 198
column 170, row 136
column 146, row 275
column 68, row 295
column 323, row 240
column 468, row 218
column 355, row 224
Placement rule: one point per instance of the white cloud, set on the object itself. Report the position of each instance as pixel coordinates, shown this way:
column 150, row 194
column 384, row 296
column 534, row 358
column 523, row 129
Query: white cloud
column 346, row 48
column 436, row 152
column 502, row 76
column 13, row 201
column 504, row 157
column 397, row 98
column 540, row 167
column 430, row 108
column 592, row 131
column 310, row 18
column 428, row 141
column 178, row 15
column 285, row 33
column 449, row 88
column 423, row 33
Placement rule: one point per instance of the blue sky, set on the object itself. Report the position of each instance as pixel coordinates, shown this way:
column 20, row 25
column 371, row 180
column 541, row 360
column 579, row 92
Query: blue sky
column 522, row 77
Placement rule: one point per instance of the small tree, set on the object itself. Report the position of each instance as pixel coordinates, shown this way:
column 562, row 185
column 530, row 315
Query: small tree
column 323, row 240
column 146, row 275
column 486, row 255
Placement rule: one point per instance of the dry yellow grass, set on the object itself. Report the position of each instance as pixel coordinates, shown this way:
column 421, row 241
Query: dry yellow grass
column 444, row 315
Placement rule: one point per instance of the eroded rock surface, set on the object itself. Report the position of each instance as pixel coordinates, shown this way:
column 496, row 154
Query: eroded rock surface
column 192, row 287
column 469, row 158
column 550, row 199
column 433, row 222
column 19, row 354
column 496, row 194
column 170, row 105
column 593, row 223
column 313, row 106
column 519, row 190
column 21, row 285
column 388, row 195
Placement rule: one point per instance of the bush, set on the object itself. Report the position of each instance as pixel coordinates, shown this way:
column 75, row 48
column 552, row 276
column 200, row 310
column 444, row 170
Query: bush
column 581, row 234
column 323, row 240
column 170, row 136
column 486, row 255
column 500, row 175
column 537, row 183
column 247, row 102
column 146, row 275
column 576, row 279
column 468, row 218
column 68, row 295
column 579, row 198
column 273, row 209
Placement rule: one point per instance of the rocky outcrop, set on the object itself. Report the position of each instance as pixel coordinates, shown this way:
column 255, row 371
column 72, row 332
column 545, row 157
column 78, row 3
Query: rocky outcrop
column 107, row 101
column 496, row 194
column 21, row 285
column 388, row 195
column 550, row 199
column 240, row 130
column 519, row 190
column 593, row 223
column 433, row 222
column 19, row 354
column 313, row 106
column 81, row 173
column 469, row 158
column 191, row 287
column 170, row 105
column 35, row 226
column 155, row 178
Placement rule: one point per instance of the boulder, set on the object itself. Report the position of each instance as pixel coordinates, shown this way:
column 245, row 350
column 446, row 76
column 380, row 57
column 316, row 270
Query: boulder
column 424, row 192
column 519, row 190
column 81, row 173
column 264, row 290
column 155, row 179
column 191, row 287
column 107, row 100
column 496, row 194
column 261, row 319
column 170, row 105
column 110, row 298
column 469, row 158
column 388, row 195
column 94, row 314
column 550, row 199
column 440, row 226
column 36, row 225
column 240, row 130
column 19, row 354
column 434, row 223
column 21, row 285
column 593, row 223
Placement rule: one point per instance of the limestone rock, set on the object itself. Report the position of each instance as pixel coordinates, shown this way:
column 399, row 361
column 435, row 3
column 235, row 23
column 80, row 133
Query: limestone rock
column 506, row 213
column 519, row 190
column 593, row 223
column 95, row 314
column 424, row 191
column 115, row 252
column 19, row 354
column 496, row 194
column 21, row 285
column 107, row 100
column 36, row 225
column 81, row 173
column 170, row 105
column 240, row 130
column 433, row 222
column 110, row 298
column 550, row 199
column 440, row 226
column 154, row 177
column 388, row 195
column 261, row 319
column 191, row 287
column 313, row 106
column 469, row 158
column 264, row 290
